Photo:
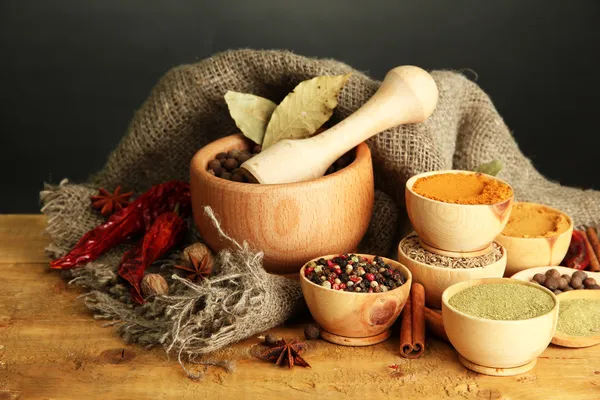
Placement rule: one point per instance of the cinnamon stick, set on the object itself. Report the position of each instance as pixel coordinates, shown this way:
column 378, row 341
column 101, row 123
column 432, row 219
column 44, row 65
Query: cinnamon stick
column 435, row 324
column 412, row 330
column 593, row 247
column 406, row 327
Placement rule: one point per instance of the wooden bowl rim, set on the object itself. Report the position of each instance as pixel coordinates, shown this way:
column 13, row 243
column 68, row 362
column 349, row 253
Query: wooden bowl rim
column 570, row 228
column 411, row 181
column 435, row 267
column 370, row 257
column 485, row 281
column 362, row 153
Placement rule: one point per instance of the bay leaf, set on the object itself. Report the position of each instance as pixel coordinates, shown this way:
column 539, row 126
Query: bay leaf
column 304, row 110
column 251, row 113
column 491, row 168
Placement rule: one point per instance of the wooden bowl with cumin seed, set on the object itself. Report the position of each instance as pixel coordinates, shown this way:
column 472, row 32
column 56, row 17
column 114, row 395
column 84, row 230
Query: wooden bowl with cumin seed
column 435, row 279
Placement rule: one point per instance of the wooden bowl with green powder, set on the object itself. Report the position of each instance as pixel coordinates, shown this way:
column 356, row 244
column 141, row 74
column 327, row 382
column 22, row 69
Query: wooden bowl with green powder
column 499, row 326
column 578, row 319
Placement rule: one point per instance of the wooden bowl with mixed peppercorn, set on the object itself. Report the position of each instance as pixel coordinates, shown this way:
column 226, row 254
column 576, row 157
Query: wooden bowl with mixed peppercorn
column 290, row 223
column 355, row 295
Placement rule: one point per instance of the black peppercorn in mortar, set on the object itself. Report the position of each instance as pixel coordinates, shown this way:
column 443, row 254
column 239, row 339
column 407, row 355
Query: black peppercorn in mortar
column 226, row 165
column 353, row 273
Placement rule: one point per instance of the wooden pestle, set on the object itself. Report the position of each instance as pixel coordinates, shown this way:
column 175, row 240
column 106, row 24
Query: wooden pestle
column 407, row 95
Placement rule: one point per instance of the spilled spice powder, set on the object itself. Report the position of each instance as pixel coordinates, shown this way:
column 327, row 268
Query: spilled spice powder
column 462, row 188
column 529, row 220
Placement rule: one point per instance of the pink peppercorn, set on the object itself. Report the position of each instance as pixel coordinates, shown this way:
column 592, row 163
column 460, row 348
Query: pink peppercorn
column 370, row 277
column 355, row 279
column 370, row 290
column 333, row 275
column 309, row 270
column 335, row 286
column 330, row 263
column 343, row 286
column 338, row 271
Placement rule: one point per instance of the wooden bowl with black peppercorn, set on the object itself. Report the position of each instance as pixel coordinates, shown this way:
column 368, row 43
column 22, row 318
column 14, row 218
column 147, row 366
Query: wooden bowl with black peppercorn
column 289, row 223
column 356, row 318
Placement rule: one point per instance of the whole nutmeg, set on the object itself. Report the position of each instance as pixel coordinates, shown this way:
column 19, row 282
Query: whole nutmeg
column 226, row 175
column 557, row 291
column 234, row 153
column 312, row 332
column 567, row 277
column 270, row 339
column 237, row 177
column 562, row 283
column 214, row 164
column 552, row 282
column 589, row 282
column 242, row 158
column 154, row 285
column 231, row 164
column 579, row 274
column 198, row 251
column 539, row 278
column 552, row 273
column 576, row 282
column 595, row 287
column 218, row 171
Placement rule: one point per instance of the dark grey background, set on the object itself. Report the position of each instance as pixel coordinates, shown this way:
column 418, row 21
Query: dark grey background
column 73, row 72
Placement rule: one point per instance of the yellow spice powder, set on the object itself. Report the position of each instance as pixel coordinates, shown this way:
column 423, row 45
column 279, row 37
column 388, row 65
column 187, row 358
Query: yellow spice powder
column 529, row 220
column 460, row 188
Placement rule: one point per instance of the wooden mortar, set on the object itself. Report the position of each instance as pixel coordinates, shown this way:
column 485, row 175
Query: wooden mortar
column 291, row 223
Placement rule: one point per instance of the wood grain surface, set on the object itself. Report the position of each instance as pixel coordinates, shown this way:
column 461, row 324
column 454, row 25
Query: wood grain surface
column 52, row 348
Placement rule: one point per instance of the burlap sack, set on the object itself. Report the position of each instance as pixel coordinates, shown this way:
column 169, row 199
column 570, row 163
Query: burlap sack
column 186, row 110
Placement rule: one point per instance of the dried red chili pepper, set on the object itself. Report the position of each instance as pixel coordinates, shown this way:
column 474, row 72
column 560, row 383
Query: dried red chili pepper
column 130, row 269
column 134, row 219
column 577, row 256
column 164, row 233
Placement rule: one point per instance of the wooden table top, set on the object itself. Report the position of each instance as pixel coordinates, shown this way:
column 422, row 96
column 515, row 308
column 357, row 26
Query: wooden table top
column 52, row 348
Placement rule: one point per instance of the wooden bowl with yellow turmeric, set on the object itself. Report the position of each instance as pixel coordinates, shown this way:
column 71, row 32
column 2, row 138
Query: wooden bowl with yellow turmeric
column 458, row 211
column 536, row 235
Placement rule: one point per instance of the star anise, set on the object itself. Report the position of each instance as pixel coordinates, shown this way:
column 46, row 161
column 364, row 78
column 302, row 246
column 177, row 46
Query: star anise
column 200, row 269
column 108, row 203
column 285, row 352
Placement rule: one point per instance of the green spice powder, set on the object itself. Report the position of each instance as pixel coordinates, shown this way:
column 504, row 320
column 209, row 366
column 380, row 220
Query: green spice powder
column 503, row 301
column 579, row 317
